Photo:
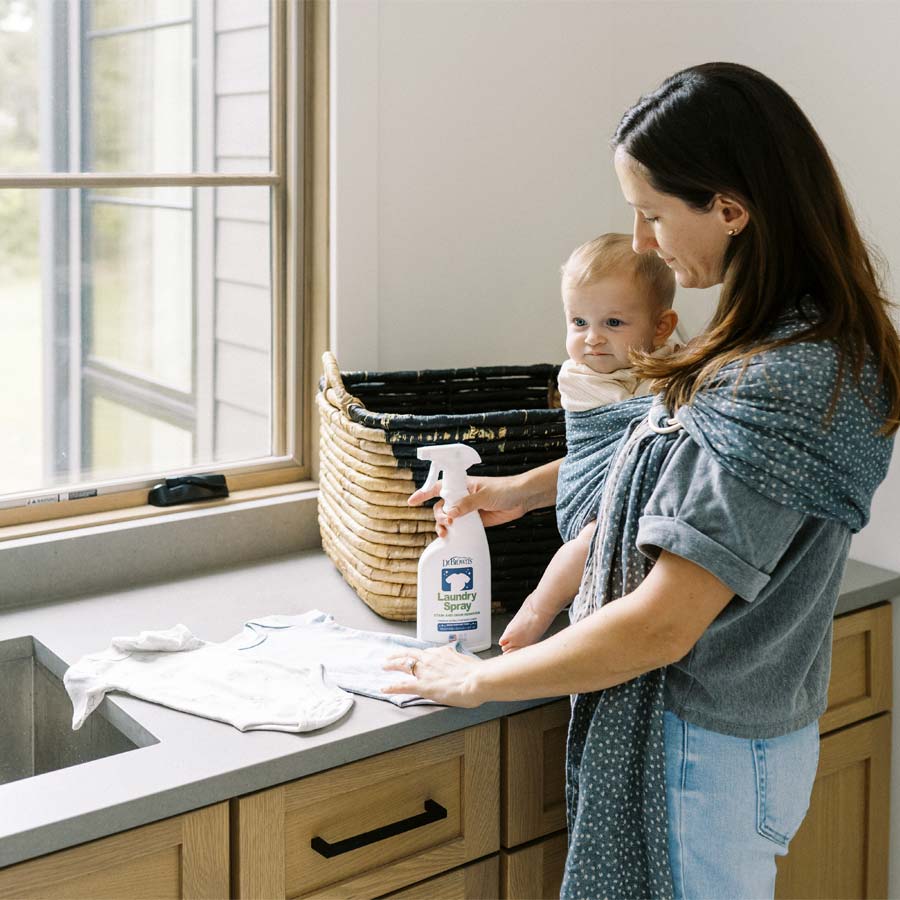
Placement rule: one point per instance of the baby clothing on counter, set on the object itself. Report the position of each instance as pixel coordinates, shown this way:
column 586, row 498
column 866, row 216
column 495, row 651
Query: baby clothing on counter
column 281, row 673
column 177, row 638
column 210, row 680
column 353, row 659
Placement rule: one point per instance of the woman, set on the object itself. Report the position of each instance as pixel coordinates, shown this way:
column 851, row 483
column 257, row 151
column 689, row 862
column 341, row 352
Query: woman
column 725, row 515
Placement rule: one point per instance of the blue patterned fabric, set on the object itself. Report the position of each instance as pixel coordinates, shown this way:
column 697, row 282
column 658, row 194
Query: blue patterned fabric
column 769, row 433
column 591, row 440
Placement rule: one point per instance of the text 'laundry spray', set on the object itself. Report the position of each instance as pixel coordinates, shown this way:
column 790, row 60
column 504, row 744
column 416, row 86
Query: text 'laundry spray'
column 454, row 593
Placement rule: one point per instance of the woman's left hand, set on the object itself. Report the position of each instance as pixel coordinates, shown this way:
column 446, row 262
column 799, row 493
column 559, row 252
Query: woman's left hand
column 442, row 674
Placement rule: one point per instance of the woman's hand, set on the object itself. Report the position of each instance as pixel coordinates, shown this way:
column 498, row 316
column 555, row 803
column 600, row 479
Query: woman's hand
column 442, row 674
column 499, row 499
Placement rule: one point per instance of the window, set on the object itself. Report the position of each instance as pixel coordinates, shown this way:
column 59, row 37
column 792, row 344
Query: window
column 150, row 260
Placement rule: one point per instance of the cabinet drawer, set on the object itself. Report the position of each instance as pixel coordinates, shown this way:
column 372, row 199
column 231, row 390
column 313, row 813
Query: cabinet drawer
column 476, row 881
column 534, row 773
column 534, row 872
column 182, row 857
column 860, row 683
column 373, row 826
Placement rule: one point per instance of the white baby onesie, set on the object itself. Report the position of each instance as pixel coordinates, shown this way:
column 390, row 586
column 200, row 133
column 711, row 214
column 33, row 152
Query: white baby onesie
column 267, row 677
column 215, row 681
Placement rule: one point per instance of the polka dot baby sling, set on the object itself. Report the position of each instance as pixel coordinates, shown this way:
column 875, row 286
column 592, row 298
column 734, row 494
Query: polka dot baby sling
column 765, row 428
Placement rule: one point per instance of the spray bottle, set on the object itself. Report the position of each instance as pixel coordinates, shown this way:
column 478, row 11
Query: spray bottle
column 454, row 593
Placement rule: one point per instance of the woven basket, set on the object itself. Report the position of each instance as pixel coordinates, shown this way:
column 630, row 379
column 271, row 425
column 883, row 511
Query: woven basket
column 371, row 425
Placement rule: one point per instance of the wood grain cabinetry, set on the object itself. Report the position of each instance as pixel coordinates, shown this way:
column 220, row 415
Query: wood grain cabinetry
column 476, row 881
column 861, row 681
column 533, row 744
column 841, row 850
column 373, row 826
column 182, row 857
column 534, row 783
column 536, row 870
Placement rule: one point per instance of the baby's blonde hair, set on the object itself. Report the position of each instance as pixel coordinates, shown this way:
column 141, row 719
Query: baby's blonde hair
column 611, row 254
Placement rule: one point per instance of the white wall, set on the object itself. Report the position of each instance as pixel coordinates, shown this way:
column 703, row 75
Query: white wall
column 470, row 156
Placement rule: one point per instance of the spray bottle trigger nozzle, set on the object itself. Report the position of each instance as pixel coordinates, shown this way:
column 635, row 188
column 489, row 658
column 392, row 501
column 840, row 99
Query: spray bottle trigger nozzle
column 451, row 461
column 432, row 478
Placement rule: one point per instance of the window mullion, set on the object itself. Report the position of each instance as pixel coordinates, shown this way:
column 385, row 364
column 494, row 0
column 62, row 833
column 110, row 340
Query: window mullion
column 54, row 239
column 204, row 231
column 127, row 180
column 75, row 322
column 140, row 395
column 282, row 18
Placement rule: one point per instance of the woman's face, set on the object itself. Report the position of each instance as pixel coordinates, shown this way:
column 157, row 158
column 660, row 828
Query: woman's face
column 691, row 242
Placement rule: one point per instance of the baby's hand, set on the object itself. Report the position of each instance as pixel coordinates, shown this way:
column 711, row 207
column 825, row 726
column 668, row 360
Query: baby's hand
column 527, row 627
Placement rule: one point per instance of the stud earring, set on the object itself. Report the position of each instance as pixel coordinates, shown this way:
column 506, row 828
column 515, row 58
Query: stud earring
column 732, row 232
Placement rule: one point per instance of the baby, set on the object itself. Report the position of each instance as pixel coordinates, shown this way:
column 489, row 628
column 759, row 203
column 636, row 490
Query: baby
column 614, row 300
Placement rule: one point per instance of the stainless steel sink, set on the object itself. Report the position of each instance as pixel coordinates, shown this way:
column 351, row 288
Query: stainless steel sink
column 36, row 733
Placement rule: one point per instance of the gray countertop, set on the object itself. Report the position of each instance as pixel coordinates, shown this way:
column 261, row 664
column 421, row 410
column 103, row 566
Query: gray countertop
column 196, row 761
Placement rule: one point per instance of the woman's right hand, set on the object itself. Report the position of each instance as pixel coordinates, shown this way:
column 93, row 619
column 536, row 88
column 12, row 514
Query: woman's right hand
column 499, row 499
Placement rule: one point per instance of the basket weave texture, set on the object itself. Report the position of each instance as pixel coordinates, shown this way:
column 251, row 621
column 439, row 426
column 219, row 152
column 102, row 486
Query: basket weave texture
column 371, row 426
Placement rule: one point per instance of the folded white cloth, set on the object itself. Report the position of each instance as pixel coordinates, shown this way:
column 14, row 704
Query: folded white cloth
column 581, row 388
column 280, row 673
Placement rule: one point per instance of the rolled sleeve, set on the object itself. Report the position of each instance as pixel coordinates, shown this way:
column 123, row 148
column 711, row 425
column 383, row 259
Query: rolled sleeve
column 702, row 513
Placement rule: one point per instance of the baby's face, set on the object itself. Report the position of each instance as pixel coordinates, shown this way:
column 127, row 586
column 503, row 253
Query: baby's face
column 605, row 319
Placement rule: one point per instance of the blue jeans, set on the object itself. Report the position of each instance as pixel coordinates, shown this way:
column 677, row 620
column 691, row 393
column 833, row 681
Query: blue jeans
column 734, row 804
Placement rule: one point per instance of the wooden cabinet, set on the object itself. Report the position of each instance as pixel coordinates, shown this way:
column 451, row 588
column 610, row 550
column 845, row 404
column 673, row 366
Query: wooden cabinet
column 182, row 857
column 533, row 744
column 476, row 881
column 534, row 783
column 373, row 826
column 841, row 850
column 861, row 665
column 536, row 870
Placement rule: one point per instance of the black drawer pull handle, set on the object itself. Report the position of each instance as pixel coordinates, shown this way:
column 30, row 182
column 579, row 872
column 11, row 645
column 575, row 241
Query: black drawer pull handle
column 434, row 812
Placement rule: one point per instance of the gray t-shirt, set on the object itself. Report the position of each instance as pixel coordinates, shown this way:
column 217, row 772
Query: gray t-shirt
column 761, row 669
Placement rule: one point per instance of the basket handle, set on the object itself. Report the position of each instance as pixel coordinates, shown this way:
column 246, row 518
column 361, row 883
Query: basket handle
column 335, row 383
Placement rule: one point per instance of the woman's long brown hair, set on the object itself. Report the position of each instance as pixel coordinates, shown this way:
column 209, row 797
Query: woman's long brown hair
column 723, row 128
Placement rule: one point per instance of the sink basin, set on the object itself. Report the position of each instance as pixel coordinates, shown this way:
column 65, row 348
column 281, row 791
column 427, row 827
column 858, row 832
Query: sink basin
column 36, row 733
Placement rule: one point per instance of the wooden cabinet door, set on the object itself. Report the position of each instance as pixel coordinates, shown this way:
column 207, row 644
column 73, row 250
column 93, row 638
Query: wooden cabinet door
column 841, row 850
column 182, row 857
column 860, row 684
column 533, row 799
column 534, row 872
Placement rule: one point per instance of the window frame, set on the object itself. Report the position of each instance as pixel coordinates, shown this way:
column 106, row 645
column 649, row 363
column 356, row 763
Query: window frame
column 298, row 177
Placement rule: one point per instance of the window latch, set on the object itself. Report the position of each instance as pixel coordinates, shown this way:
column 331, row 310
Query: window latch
column 188, row 489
